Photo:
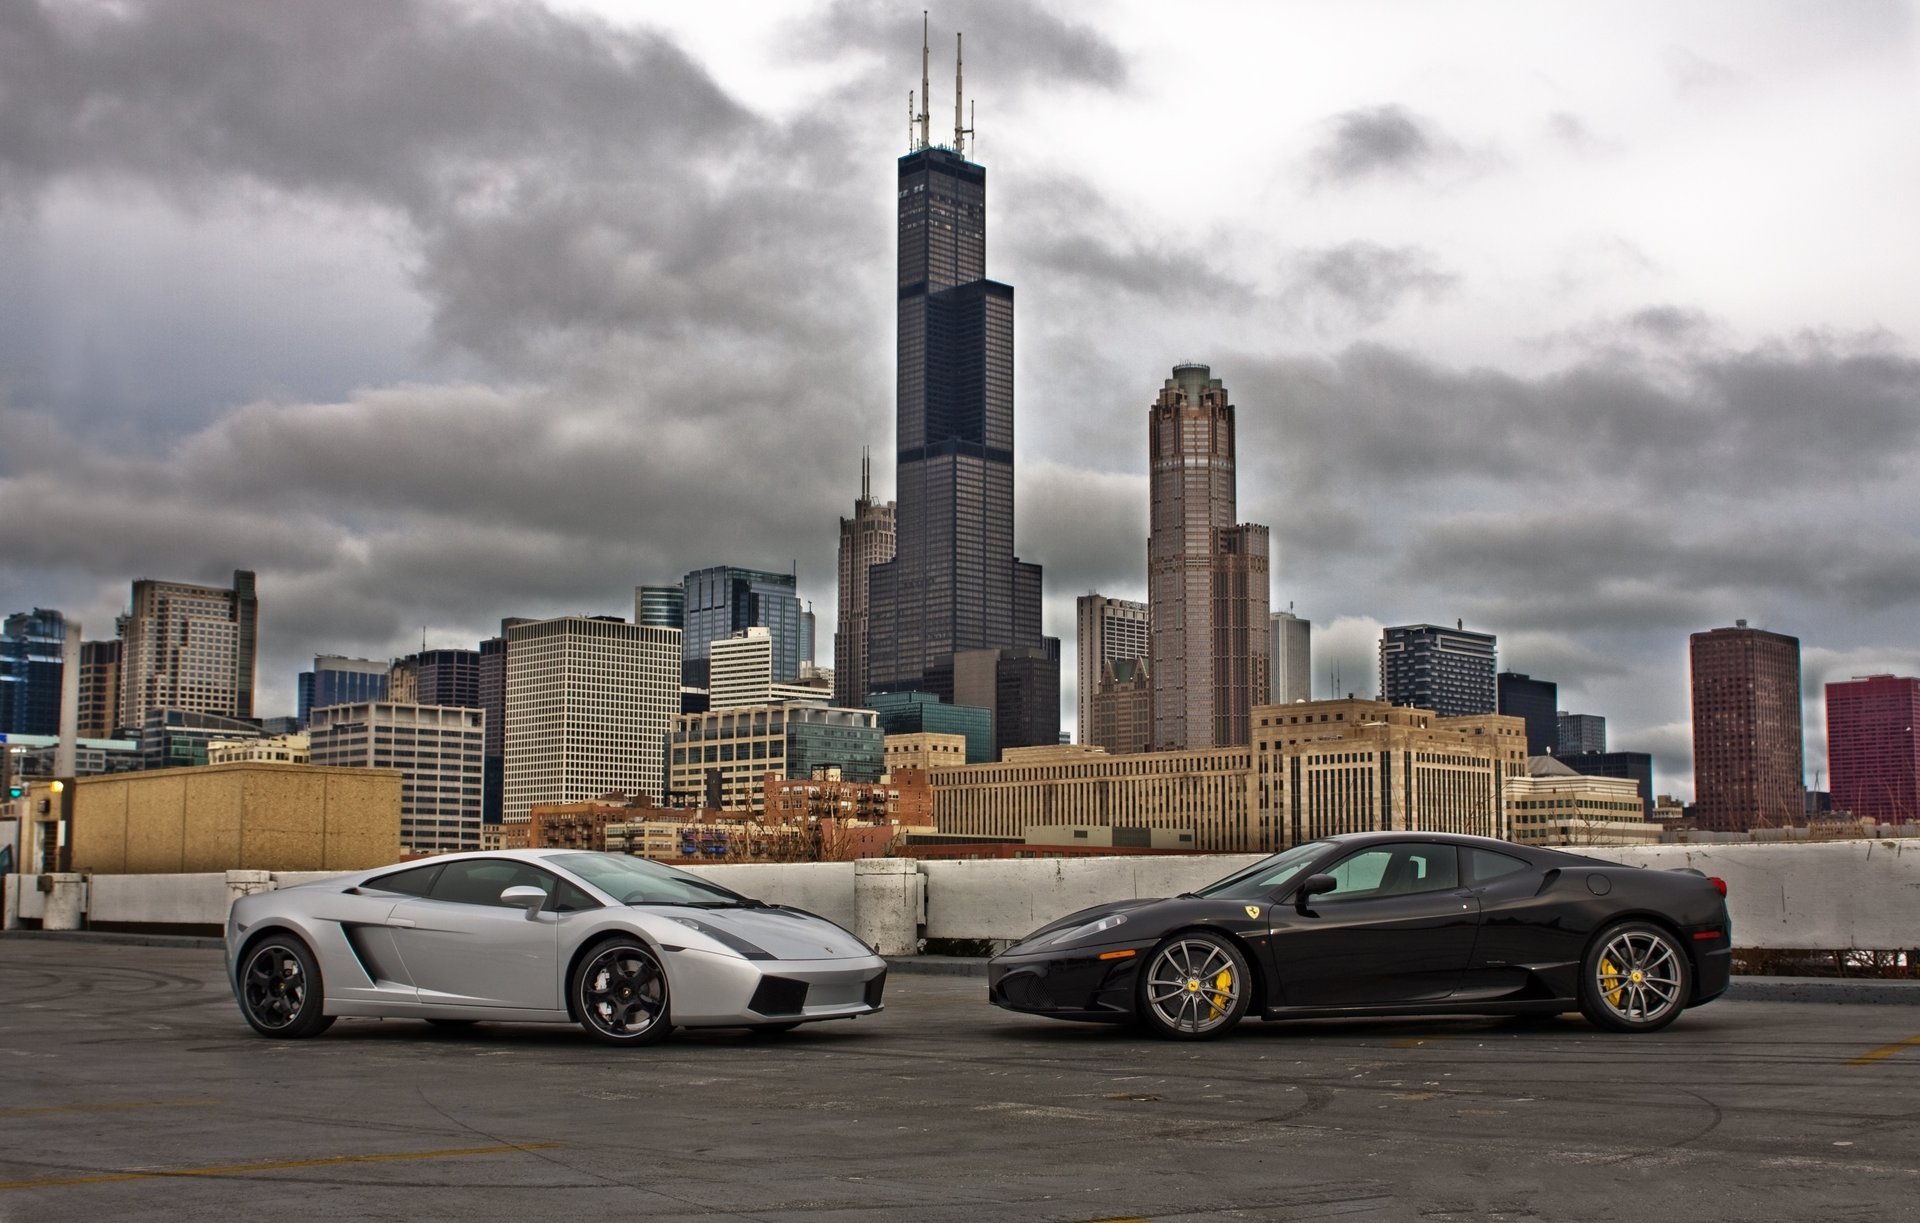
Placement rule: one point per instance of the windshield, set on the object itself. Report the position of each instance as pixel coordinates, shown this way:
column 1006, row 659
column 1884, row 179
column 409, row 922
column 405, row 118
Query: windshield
column 1263, row 878
column 636, row 881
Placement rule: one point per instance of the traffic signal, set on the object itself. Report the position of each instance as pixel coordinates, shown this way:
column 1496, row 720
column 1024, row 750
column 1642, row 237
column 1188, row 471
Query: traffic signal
column 15, row 790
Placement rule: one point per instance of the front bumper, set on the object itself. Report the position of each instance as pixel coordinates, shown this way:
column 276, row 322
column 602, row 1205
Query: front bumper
column 714, row 990
column 1074, row 983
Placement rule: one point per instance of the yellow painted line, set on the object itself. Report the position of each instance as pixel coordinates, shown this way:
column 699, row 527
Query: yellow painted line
column 1884, row 1052
column 119, row 1106
column 282, row 1165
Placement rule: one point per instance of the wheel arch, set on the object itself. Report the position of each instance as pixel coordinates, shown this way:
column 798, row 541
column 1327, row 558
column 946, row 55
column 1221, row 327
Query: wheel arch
column 1255, row 968
column 1652, row 918
column 587, row 944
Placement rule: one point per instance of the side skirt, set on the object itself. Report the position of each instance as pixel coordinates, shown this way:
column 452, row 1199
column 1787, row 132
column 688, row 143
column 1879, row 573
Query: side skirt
column 1532, row 1006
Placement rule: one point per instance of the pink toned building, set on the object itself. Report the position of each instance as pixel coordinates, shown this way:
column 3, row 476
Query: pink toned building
column 1873, row 755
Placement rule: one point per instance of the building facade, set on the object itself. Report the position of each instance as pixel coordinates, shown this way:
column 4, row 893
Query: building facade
column 924, row 752
column 1636, row 767
column 722, row 600
column 1207, row 580
column 178, row 738
column 294, row 748
column 335, row 680
column 1535, row 702
column 740, row 671
column 189, row 647
column 866, row 539
column 99, row 688
column 1554, row 805
column 904, row 798
column 912, row 713
column 1873, row 748
column 590, row 704
column 1123, row 707
column 720, row 757
column 1579, row 732
column 1290, row 658
column 660, row 606
column 1106, row 631
column 32, row 654
column 436, row 749
column 954, row 583
column 1447, row 670
column 1747, row 763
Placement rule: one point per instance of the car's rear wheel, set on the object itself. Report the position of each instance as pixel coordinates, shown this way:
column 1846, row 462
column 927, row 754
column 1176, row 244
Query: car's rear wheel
column 620, row 993
column 1636, row 978
column 1195, row 986
column 280, row 990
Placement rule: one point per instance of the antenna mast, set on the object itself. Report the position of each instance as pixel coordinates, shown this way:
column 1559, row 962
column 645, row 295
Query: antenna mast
column 926, row 132
column 960, row 133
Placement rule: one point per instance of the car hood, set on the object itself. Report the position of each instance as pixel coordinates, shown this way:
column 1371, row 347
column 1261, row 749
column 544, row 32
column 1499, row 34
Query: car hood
column 1083, row 916
column 784, row 934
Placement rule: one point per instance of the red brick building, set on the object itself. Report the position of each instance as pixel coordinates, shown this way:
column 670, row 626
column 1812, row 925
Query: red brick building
column 1873, row 753
column 1748, row 770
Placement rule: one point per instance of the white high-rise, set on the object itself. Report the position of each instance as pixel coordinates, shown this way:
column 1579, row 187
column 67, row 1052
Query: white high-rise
column 439, row 752
column 1290, row 673
column 740, row 672
column 1107, row 630
column 590, row 704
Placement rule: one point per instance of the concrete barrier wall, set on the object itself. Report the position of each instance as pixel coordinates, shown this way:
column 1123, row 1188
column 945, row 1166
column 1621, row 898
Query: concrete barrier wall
column 1820, row 897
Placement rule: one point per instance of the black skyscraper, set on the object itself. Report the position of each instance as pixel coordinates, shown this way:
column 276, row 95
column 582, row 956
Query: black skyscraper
column 954, row 583
column 1537, row 701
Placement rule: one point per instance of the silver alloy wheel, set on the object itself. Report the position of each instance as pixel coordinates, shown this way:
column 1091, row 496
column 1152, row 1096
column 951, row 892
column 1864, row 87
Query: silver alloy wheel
column 1638, row 976
column 1194, row 986
column 274, row 984
column 623, row 992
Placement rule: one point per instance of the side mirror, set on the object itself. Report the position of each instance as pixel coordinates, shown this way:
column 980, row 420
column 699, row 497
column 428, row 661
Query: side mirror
column 1315, row 885
column 531, row 899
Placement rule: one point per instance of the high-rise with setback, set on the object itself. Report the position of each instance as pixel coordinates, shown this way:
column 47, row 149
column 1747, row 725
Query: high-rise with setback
column 1207, row 581
column 954, row 585
column 1106, row 631
column 866, row 540
column 191, row 648
column 1431, row 666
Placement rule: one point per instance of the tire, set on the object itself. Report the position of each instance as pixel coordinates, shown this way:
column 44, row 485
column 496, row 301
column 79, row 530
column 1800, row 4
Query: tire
column 281, row 994
column 1636, row 978
column 1195, row 986
column 620, row 993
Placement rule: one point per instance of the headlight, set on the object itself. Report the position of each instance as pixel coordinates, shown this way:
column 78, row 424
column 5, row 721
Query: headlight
column 725, row 938
column 1097, row 926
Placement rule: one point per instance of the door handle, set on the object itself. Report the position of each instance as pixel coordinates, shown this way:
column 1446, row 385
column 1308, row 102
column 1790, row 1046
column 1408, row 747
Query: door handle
column 406, row 922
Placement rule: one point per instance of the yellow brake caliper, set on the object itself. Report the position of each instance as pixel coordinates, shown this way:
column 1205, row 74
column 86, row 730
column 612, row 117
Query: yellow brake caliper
column 1610, row 972
column 1222, row 993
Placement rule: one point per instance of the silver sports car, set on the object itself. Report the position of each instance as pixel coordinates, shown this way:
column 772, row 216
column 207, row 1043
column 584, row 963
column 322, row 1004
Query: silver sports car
column 626, row 947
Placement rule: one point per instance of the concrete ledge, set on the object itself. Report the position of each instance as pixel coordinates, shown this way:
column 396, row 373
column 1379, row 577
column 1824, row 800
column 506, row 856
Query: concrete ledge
column 938, row 965
column 190, row 941
column 1867, row 990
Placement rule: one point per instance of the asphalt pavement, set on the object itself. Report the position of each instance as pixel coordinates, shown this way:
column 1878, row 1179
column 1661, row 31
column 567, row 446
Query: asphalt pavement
column 131, row 1089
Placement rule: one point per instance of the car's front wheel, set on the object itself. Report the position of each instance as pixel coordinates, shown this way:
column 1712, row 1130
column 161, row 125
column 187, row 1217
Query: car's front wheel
column 1195, row 986
column 1636, row 978
column 280, row 989
column 620, row 993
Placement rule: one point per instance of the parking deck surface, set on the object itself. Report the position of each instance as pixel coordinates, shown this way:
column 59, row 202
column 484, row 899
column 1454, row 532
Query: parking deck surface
column 131, row 1089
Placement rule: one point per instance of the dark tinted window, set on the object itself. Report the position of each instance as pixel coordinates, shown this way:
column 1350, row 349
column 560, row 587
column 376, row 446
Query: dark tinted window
column 570, row 899
column 479, row 881
column 1488, row 865
column 1395, row 870
column 415, row 882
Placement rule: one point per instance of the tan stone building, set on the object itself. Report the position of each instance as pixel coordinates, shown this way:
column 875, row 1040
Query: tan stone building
column 1553, row 805
column 220, row 817
column 295, row 748
column 1122, row 707
column 925, row 751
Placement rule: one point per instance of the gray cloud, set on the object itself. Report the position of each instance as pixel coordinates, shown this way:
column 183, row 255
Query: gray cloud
column 1358, row 284
column 1381, row 141
column 1010, row 47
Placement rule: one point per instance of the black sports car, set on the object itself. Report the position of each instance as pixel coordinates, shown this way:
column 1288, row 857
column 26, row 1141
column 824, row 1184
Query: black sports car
column 1386, row 923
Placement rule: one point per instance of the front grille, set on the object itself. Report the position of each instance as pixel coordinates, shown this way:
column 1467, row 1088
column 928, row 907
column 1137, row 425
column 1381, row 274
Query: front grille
column 874, row 989
column 778, row 996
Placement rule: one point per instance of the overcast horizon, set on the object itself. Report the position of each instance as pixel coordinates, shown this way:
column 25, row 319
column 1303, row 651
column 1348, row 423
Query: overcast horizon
column 1590, row 328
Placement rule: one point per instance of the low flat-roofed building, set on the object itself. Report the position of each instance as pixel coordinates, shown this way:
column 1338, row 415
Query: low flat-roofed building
column 904, row 797
column 584, row 825
column 1555, row 805
column 294, row 748
column 925, row 751
column 220, row 817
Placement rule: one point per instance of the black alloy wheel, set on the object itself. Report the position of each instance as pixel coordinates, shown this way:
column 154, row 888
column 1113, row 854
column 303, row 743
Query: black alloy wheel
column 620, row 993
column 1636, row 978
column 280, row 992
column 1195, row 986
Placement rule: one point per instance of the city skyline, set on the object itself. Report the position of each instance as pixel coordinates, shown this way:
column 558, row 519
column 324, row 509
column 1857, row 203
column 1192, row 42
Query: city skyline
column 241, row 340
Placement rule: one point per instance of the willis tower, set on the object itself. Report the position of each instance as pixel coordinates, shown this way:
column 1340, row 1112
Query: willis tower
column 955, row 613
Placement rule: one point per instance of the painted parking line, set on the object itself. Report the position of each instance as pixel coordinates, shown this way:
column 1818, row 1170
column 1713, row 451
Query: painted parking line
column 117, row 1106
column 1884, row 1052
column 279, row 1165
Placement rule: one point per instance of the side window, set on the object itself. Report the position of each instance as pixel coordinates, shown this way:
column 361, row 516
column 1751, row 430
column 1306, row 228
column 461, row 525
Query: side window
column 1488, row 866
column 1395, row 870
column 415, row 882
column 570, row 899
column 479, row 881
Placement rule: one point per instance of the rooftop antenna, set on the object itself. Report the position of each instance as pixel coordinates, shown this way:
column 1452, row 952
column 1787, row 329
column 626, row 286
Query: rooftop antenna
column 960, row 133
column 866, row 475
column 910, row 145
column 926, row 132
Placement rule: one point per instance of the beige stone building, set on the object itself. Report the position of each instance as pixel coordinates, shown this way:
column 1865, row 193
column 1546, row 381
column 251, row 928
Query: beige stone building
column 925, row 751
column 219, row 817
column 1122, row 707
column 1553, row 805
column 293, row 748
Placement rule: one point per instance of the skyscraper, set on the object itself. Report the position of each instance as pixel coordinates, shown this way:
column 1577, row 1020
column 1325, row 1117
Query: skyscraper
column 1207, row 585
column 1106, row 631
column 1747, row 765
column 1430, row 666
column 660, row 606
column 438, row 752
column 722, row 600
column 866, row 540
column 31, row 648
column 954, row 583
column 1873, row 747
column 1535, row 702
column 99, row 688
column 590, row 705
column 336, row 680
column 1290, row 646
column 189, row 647
column 1580, row 732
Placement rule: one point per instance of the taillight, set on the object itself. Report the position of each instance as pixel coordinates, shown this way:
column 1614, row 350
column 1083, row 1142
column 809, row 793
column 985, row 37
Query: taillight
column 1719, row 885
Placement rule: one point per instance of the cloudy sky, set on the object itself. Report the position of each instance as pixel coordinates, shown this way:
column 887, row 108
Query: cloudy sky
column 1592, row 326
